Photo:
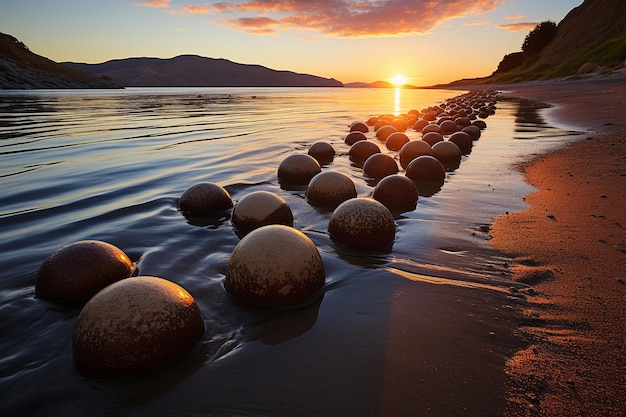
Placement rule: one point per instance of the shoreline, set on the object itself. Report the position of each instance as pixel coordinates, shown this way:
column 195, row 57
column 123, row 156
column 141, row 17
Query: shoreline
column 569, row 247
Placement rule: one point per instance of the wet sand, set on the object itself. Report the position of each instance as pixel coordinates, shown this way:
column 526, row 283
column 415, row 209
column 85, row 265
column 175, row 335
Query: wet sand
column 570, row 248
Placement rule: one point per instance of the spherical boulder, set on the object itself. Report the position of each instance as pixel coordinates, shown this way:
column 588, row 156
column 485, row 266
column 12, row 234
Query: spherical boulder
column 363, row 223
column 275, row 265
column 330, row 188
column 481, row 124
column 448, row 153
column 384, row 132
column 323, row 152
column 79, row 270
column 412, row 150
column 463, row 141
column 432, row 127
column 473, row 131
column 362, row 150
column 135, row 326
column 429, row 116
column 397, row 193
column 372, row 121
column 432, row 137
column 298, row 169
column 415, row 113
column 400, row 124
column 261, row 208
column 426, row 169
column 204, row 198
column 420, row 124
column 379, row 165
column 396, row 140
column 462, row 121
column 382, row 121
column 359, row 127
column 353, row 137
column 448, row 127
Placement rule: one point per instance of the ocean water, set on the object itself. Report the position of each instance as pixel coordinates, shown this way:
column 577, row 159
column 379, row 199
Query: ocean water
column 111, row 166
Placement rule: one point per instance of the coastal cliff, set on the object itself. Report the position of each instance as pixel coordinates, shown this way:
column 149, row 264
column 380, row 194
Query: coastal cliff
column 590, row 40
column 22, row 69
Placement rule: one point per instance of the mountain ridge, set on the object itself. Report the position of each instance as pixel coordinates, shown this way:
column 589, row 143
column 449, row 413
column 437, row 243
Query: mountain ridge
column 196, row 71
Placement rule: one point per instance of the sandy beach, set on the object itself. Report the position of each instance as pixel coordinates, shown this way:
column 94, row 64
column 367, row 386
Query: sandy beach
column 569, row 246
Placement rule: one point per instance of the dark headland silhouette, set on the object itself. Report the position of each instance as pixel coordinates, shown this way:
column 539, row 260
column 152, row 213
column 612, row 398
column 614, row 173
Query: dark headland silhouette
column 590, row 40
column 197, row 71
column 22, row 69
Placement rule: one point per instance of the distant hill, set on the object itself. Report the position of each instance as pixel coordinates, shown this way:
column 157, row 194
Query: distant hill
column 197, row 71
column 591, row 39
column 22, row 69
column 375, row 84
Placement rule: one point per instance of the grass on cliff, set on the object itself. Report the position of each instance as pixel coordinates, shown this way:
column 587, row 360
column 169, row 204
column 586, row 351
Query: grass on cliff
column 609, row 55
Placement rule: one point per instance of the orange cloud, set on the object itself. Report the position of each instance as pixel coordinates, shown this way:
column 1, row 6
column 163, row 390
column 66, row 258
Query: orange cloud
column 516, row 27
column 156, row 3
column 347, row 18
column 257, row 6
column 203, row 9
column 476, row 23
column 515, row 16
column 260, row 25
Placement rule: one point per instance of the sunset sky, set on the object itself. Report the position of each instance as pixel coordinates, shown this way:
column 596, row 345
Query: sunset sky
column 427, row 41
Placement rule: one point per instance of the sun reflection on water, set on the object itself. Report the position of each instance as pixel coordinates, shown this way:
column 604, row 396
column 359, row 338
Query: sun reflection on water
column 397, row 102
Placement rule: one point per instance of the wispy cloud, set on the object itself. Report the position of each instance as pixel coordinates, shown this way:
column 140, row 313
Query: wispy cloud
column 202, row 9
column 476, row 23
column 515, row 16
column 516, row 27
column 259, row 25
column 345, row 18
column 156, row 3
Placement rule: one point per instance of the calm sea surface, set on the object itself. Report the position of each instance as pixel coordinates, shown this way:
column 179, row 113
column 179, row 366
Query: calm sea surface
column 111, row 165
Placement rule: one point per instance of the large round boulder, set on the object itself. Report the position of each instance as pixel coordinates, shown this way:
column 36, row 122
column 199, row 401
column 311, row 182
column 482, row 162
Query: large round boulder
column 261, row 208
column 463, row 141
column 426, row 169
column 397, row 192
column 323, row 152
column 363, row 223
column 275, row 265
column 330, row 188
column 383, row 132
column 353, row 137
column 380, row 165
column 298, row 169
column 412, row 150
column 204, row 198
column 359, row 127
column 362, row 150
column 448, row 153
column 396, row 141
column 135, row 326
column 432, row 137
column 79, row 270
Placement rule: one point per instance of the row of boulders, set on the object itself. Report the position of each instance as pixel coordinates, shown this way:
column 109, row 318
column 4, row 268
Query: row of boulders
column 129, row 327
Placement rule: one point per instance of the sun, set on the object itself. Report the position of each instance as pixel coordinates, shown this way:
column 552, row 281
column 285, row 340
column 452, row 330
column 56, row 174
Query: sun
column 398, row 80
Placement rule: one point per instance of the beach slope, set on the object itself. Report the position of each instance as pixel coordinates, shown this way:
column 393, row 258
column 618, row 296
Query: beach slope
column 570, row 247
